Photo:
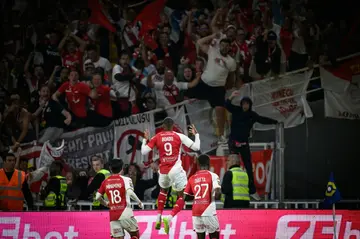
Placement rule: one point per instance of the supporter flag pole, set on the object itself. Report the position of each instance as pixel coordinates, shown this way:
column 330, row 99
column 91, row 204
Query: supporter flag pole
column 334, row 219
column 332, row 196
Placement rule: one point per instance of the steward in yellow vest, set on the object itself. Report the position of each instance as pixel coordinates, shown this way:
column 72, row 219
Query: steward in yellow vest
column 235, row 188
column 56, row 196
column 55, row 191
column 97, row 164
column 106, row 174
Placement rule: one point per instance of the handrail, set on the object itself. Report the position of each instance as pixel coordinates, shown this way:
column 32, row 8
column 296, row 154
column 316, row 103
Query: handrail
column 314, row 66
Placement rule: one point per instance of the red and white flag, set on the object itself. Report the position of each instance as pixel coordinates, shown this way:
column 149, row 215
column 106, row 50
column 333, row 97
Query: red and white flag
column 342, row 89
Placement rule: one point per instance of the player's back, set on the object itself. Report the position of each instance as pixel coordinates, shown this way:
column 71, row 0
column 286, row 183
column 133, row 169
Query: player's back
column 168, row 144
column 202, row 186
column 119, row 201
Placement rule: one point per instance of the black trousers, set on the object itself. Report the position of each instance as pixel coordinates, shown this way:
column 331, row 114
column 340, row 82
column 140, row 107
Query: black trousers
column 244, row 151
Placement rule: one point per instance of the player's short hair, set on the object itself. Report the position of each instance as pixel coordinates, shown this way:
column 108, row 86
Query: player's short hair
column 116, row 165
column 168, row 123
column 204, row 160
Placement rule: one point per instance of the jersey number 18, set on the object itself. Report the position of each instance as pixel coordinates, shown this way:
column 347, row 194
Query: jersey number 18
column 115, row 196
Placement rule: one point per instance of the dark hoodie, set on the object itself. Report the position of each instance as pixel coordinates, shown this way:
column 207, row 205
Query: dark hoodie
column 242, row 122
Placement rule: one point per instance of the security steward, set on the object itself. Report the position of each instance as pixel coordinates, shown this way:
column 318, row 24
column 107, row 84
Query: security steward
column 235, row 185
column 101, row 174
column 56, row 188
column 13, row 186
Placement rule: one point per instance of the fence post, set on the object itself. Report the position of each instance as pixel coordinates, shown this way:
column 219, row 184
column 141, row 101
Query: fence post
column 280, row 163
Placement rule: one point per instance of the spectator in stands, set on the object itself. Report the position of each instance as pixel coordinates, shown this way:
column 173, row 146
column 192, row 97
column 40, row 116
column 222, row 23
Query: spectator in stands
column 50, row 116
column 219, row 70
column 286, row 36
column 17, row 122
column 35, row 76
column 267, row 60
column 168, row 91
column 298, row 55
column 101, row 113
column 235, row 185
column 54, row 81
column 98, row 61
column 11, row 197
column 242, row 121
column 168, row 50
column 55, row 191
column 122, row 78
column 140, row 185
column 71, row 55
column 50, row 51
column 77, row 94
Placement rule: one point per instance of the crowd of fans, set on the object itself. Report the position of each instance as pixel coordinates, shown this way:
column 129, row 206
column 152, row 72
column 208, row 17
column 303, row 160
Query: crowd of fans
column 59, row 72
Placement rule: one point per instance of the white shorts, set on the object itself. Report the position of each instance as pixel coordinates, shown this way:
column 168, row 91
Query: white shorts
column 176, row 178
column 208, row 224
column 117, row 227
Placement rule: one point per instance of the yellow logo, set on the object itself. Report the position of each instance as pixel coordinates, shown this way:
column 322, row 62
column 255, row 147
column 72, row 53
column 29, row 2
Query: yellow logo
column 330, row 189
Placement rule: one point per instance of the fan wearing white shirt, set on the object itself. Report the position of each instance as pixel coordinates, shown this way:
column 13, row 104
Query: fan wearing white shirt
column 219, row 71
column 122, row 77
column 169, row 88
column 97, row 60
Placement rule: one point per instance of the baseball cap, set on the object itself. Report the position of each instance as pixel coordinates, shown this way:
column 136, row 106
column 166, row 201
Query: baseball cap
column 272, row 36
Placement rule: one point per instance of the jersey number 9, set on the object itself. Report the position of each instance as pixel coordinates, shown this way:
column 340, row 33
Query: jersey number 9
column 168, row 149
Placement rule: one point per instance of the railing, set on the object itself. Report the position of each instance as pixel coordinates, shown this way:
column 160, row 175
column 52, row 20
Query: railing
column 271, row 204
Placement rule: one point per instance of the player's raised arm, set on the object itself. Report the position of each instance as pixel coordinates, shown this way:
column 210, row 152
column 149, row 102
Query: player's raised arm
column 147, row 147
column 188, row 142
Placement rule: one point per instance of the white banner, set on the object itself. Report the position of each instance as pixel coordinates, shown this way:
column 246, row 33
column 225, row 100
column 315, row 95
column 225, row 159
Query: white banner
column 342, row 90
column 200, row 114
column 49, row 154
column 291, row 111
column 129, row 133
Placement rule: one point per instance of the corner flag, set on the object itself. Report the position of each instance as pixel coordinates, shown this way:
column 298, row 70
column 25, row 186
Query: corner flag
column 332, row 194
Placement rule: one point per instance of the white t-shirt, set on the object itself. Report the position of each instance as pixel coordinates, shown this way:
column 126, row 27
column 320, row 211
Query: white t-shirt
column 218, row 67
column 298, row 45
column 122, row 87
column 102, row 62
column 167, row 94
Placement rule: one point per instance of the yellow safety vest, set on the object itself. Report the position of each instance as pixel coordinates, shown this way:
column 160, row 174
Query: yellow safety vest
column 240, row 184
column 107, row 174
column 170, row 200
column 50, row 200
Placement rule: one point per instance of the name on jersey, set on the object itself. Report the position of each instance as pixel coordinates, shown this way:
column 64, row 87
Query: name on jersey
column 115, row 185
column 200, row 180
column 167, row 139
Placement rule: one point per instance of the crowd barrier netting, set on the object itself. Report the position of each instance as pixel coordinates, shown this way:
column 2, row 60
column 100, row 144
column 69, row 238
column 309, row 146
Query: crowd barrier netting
column 234, row 224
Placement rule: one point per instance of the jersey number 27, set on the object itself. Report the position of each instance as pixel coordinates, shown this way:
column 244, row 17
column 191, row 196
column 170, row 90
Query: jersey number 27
column 201, row 190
